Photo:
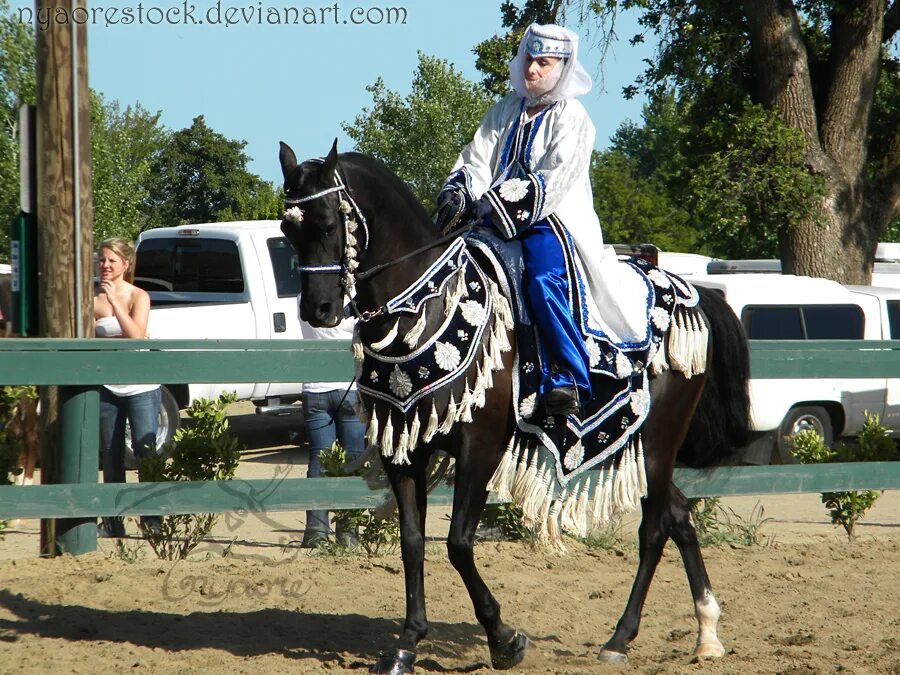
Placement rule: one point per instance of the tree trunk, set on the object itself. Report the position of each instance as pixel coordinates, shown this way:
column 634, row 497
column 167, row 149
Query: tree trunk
column 839, row 240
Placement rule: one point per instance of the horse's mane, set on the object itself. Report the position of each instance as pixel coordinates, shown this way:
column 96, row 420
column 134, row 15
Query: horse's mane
column 387, row 184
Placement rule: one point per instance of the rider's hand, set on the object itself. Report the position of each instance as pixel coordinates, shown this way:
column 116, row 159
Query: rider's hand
column 451, row 207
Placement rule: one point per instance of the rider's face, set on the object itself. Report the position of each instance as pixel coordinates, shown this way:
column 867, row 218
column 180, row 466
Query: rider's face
column 536, row 68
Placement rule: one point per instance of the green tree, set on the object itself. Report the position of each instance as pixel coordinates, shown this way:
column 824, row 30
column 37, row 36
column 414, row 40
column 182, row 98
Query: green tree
column 420, row 136
column 822, row 171
column 123, row 145
column 201, row 176
column 634, row 208
column 17, row 86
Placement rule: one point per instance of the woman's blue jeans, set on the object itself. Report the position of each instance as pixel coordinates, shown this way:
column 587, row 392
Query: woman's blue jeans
column 330, row 419
column 141, row 411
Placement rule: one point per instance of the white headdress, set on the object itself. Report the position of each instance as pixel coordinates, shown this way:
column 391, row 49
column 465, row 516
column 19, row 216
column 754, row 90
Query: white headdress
column 550, row 40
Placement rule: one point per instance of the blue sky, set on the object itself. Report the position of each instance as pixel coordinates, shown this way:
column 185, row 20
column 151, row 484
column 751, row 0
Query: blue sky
column 297, row 83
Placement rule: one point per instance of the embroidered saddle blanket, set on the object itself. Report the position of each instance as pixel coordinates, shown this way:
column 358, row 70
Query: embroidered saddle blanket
column 619, row 371
column 415, row 387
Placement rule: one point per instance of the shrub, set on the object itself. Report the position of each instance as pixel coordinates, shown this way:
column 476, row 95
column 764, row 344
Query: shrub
column 872, row 445
column 206, row 450
column 377, row 535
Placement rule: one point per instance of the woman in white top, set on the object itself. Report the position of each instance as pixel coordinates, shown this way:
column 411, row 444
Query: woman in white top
column 121, row 310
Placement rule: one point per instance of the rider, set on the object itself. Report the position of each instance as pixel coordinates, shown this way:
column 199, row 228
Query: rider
column 526, row 173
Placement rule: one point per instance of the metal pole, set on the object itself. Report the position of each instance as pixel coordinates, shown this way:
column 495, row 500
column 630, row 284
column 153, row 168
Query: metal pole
column 76, row 174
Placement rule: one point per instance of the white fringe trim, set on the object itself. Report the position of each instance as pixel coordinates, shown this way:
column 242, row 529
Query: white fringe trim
column 685, row 345
column 525, row 477
column 411, row 339
column 387, row 339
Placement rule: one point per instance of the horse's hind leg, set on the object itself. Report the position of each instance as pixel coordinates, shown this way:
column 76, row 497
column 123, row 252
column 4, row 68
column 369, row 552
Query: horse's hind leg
column 409, row 485
column 707, row 609
column 474, row 469
column 674, row 400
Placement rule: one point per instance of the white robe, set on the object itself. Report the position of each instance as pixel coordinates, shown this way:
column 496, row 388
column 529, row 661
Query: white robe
column 559, row 160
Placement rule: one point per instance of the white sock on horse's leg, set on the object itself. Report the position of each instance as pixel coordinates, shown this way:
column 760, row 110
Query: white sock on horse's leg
column 708, row 612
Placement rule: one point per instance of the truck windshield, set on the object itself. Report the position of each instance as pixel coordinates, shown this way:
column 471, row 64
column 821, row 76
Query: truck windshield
column 284, row 264
column 189, row 266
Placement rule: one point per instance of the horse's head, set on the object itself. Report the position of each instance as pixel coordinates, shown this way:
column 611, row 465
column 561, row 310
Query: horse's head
column 315, row 226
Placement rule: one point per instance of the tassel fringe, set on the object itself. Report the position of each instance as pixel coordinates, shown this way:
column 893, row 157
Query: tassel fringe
column 525, row 477
column 387, row 339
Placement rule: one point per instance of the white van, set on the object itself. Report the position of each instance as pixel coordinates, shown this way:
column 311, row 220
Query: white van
column 787, row 307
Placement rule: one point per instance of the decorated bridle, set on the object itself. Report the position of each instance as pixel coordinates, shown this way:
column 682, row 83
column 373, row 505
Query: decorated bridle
column 348, row 264
column 351, row 217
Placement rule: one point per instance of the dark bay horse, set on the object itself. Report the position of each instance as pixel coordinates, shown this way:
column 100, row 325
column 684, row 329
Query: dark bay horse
column 390, row 243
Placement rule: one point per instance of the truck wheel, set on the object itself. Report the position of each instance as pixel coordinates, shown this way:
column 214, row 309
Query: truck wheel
column 799, row 419
column 169, row 421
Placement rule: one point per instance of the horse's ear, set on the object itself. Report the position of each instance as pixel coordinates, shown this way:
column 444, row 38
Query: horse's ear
column 287, row 158
column 331, row 160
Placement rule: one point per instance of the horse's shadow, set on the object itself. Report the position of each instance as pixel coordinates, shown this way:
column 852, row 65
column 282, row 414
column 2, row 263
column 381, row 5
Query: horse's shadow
column 328, row 638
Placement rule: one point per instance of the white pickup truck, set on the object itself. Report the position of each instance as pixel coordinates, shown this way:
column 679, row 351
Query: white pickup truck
column 220, row 280
column 787, row 307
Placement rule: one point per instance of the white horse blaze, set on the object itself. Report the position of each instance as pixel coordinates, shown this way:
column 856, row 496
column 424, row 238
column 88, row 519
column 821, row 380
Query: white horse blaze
column 707, row 611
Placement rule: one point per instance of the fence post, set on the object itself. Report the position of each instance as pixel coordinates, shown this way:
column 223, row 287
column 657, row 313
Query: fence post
column 79, row 445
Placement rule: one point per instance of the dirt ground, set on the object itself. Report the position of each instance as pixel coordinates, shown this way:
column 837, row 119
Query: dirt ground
column 250, row 601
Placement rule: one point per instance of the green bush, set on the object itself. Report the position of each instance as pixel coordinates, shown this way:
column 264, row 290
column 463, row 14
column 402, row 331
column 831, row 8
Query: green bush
column 10, row 448
column 377, row 536
column 507, row 520
column 206, row 450
column 872, row 445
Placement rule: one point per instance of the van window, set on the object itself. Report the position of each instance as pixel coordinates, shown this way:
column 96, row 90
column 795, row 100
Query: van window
column 189, row 266
column 804, row 322
column 893, row 307
column 829, row 322
column 284, row 263
column 773, row 323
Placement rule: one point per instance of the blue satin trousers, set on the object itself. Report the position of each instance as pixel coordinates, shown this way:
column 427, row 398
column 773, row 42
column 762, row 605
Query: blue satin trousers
column 547, row 289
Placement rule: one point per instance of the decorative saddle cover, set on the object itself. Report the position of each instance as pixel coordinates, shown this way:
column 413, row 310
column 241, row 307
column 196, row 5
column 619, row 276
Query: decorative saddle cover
column 416, row 386
column 619, row 372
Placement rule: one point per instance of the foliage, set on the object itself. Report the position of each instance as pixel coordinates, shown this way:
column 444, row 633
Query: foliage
column 609, row 538
column 872, row 445
column 636, row 209
column 717, row 525
column 753, row 184
column 420, row 136
column 123, row 144
column 506, row 520
column 201, row 176
column 11, row 446
column 204, row 451
column 377, row 536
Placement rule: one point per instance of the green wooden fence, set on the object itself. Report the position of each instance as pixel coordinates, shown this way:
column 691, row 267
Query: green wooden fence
column 79, row 366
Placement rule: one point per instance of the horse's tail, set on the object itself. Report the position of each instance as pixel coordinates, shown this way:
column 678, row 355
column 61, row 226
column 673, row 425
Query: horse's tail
column 721, row 422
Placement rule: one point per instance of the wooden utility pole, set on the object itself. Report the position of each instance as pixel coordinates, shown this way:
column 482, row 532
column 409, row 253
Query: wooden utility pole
column 64, row 203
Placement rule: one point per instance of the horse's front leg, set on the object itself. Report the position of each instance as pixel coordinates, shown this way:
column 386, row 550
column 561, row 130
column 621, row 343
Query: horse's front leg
column 409, row 485
column 474, row 468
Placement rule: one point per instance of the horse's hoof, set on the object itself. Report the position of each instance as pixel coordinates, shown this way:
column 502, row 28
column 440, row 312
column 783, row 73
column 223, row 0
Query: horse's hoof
column 396, row 662
column 709, row 650
column 609, row 656
column 504, row 657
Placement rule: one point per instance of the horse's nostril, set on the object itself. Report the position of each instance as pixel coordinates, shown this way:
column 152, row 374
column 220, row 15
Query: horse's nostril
column 324, row 310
